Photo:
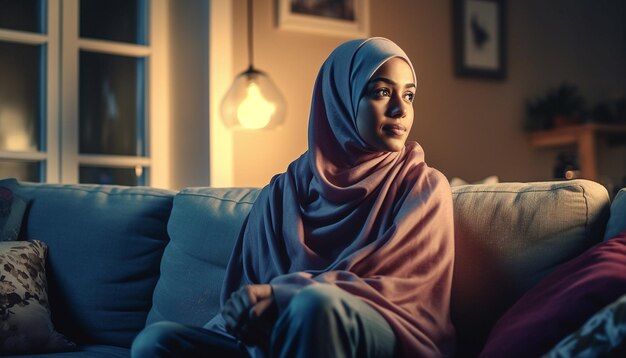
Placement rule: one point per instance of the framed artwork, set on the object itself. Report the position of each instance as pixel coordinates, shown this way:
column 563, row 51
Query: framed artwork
column 346, row 18
column 480, row 38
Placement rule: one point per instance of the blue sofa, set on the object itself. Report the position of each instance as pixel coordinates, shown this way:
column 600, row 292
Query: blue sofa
column 123, row 257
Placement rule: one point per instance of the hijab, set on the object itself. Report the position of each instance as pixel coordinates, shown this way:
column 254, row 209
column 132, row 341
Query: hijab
column 375, row 224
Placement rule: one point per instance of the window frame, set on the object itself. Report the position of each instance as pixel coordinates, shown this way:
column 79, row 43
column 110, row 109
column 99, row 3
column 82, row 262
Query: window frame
column 156, row 102
column 48, row 152
column 58, row 148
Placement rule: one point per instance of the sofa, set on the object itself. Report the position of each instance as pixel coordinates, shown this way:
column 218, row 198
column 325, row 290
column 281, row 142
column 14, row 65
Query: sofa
column 119, row 258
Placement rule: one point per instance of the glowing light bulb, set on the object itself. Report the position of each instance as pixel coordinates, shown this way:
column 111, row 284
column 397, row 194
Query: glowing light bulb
column 255, row 111
column 253, row 102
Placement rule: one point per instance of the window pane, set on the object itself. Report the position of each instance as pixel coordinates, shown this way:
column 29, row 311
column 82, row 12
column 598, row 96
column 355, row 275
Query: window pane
column 111, row 104
column 107, row 175
column 21, row 170
column 114, row 20
column 21, row 15
column 20, row 96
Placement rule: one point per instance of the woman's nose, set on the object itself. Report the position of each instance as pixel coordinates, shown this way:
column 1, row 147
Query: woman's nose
column 397, row 108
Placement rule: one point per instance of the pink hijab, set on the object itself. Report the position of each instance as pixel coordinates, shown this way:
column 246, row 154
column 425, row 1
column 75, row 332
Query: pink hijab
column 375, row 224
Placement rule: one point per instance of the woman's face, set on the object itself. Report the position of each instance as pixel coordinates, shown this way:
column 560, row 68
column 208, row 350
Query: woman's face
column 385, row 112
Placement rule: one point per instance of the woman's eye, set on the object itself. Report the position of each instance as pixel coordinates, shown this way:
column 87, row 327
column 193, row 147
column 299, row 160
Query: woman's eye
column 382, row 92
column 409, row 96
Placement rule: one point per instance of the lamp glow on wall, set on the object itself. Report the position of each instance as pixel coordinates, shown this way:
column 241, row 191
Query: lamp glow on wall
column 253, row 101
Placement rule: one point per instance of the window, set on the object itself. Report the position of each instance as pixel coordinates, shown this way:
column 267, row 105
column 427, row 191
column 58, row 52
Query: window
column 77, row 97
column 27, row 67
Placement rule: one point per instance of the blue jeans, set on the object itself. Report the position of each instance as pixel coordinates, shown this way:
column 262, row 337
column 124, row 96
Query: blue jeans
column 320, row 321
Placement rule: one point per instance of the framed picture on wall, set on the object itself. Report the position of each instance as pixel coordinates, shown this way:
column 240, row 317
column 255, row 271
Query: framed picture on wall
column 346, row 18
column 480, row 38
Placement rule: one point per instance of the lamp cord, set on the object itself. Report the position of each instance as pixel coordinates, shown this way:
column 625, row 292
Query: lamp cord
column 250, row 39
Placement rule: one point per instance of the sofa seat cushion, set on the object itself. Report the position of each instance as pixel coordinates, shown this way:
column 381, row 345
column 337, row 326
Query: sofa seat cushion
column 203, row 227
column 104, row 250
column 91, row 351
column 508, row 236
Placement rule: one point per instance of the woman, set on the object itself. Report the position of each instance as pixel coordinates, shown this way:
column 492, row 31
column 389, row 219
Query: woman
column 350, row 251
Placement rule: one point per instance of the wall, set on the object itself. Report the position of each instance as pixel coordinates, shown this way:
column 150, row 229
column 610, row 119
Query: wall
column 469, row 128
column 189, row 93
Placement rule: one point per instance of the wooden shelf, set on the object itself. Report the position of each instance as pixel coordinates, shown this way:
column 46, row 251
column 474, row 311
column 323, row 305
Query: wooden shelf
column 584, row 137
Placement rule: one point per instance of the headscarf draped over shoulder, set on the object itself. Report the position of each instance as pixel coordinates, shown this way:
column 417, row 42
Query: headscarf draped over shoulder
column 376, row 224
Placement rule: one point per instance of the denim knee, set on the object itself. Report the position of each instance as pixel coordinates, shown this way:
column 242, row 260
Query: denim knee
column 325, row 321
column 315, row 302
column 315, row 314
column 149, row 341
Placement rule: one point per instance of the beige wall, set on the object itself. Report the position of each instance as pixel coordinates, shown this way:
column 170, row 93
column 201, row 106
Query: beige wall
column 469, row 128
column 189, row 93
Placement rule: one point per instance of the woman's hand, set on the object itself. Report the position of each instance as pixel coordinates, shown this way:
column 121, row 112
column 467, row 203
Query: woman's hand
column 250, row 313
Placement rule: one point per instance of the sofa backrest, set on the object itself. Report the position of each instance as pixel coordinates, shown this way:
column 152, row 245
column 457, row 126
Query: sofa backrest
column 104, row 249
column 203, row 227
column 510, row 235
column 108, row 246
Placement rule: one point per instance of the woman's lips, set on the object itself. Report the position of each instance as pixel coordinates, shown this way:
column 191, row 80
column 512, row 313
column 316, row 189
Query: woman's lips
column 395, row 130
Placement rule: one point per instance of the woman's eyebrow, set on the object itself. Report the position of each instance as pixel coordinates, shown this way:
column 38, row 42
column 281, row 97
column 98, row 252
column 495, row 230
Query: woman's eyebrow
column 390, row 82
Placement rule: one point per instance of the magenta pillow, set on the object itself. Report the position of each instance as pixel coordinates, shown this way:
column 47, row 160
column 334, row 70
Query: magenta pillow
column 561, row 302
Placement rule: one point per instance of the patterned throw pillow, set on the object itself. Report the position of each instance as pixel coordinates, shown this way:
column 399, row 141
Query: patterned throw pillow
column 602, row 335
column 25, row 324
column 12, row 209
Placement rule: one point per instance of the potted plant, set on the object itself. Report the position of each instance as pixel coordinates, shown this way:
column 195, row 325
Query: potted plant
column 560, row 106
column 610, row 111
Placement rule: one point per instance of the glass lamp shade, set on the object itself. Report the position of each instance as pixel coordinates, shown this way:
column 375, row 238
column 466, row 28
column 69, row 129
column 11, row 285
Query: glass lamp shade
column 253, row 102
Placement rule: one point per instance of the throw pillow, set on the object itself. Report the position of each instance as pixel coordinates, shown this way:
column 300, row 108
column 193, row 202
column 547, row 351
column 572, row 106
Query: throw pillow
column 25, row 324
column 602, row 335
column 561, row 302
column 12, row 209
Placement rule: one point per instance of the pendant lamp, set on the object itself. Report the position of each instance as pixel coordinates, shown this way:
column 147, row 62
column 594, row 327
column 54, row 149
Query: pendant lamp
column 253, row 101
